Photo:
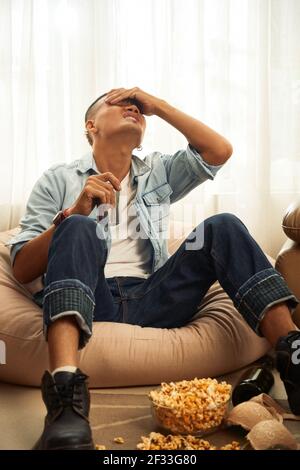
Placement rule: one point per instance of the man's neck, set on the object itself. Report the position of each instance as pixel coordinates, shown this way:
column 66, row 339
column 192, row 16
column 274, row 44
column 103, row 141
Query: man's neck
column 113, row 158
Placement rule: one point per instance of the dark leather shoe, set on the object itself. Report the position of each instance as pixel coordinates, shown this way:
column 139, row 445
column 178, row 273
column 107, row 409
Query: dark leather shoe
column 288, row 364
column 67, row 400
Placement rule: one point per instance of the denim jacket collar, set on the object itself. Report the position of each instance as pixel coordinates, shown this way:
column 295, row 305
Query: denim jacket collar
column 138, row 167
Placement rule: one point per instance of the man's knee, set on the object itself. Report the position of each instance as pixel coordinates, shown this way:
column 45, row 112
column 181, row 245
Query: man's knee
column 77, row 225
column 222, row 224
column 78, row 220
column 80, row 229
column 225, row 220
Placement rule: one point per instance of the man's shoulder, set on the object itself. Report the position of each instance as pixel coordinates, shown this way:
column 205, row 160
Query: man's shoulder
column 153, row 159
column 152, row 156
column 83, row 164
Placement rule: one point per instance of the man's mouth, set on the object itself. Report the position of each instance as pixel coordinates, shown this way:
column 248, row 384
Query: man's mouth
column 131, row 116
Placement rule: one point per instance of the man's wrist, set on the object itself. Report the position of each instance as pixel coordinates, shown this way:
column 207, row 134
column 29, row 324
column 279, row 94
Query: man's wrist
column 67, row 212
column 60, row 216
column 162, row 108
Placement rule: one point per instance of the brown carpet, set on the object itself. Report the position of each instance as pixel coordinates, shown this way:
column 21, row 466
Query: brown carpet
column 128, row 415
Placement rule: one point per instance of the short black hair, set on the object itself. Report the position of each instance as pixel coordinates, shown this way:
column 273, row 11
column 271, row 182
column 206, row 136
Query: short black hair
column 88, row 114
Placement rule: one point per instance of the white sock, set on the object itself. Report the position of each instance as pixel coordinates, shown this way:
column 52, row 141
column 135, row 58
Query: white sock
column 64, row 369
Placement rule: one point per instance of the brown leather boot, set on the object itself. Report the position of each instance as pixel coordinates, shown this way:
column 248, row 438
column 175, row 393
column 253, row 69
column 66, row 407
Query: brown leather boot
column 67, row 400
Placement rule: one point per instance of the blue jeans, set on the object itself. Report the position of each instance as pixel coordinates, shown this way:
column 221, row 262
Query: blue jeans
column 75, row 283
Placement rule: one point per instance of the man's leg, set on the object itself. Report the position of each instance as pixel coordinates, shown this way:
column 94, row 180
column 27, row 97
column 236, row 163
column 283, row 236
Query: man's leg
column 63, row 340
column 226, row 252
column 75, row 268
column 277, row 322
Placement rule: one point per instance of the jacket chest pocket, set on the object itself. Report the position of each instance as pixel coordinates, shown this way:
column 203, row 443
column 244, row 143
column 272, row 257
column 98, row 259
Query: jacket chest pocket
column 157, row 202
column 157, row 195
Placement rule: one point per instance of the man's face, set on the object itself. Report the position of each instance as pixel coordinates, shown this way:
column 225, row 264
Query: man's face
column 110, row 119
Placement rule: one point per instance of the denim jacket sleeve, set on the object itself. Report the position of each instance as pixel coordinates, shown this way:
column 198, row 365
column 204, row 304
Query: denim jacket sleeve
column 43, row 203
column 185, row 170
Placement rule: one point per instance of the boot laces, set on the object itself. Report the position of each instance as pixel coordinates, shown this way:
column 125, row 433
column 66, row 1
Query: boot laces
column 63, row 394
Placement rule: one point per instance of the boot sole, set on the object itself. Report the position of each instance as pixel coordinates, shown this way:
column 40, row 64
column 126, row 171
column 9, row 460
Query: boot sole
column 89, row 446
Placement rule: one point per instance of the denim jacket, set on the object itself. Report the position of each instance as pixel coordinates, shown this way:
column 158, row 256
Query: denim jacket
column 160, row 180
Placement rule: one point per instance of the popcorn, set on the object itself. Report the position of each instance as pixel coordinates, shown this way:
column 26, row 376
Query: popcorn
column 191, row 406
column 119, row 440
column 233, row 446
column 157, row 441
column 100, row 447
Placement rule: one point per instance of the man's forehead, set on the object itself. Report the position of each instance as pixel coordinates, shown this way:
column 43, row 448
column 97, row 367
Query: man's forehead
column 94, row 107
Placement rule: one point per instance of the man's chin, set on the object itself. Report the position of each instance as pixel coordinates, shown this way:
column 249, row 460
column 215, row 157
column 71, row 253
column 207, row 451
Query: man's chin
column 132, row 128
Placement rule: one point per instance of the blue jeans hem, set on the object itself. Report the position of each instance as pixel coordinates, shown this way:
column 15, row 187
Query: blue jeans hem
column 61, row 298
column 263, row 290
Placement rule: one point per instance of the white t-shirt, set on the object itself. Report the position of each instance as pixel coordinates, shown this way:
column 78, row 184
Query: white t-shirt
column 130, row 255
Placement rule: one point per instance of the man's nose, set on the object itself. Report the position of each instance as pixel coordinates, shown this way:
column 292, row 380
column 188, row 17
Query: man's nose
column 133, row 108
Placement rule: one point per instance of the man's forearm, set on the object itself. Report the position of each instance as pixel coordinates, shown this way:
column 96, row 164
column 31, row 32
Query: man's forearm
column 31, row 261
column 214, row 148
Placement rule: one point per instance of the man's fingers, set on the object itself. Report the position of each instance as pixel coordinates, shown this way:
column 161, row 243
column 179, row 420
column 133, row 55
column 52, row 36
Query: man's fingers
column 99, row 197
column 105, row 196
column 108, row 187
column 110, row 177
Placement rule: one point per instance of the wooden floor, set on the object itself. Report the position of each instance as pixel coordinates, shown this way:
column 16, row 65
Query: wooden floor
column 114, row 412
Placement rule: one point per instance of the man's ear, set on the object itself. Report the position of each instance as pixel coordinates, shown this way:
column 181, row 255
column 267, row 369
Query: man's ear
column 89, row 125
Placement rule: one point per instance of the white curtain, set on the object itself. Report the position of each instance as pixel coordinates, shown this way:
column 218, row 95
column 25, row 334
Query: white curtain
column 233, row 64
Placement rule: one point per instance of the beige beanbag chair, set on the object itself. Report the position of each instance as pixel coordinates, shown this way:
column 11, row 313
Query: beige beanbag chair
column 217, row 341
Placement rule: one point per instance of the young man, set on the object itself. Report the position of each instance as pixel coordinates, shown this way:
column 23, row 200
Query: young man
column 92, row 276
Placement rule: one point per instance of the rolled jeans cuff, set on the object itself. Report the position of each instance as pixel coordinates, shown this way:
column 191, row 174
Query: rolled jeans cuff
column 69, row 297
column 263, row 290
